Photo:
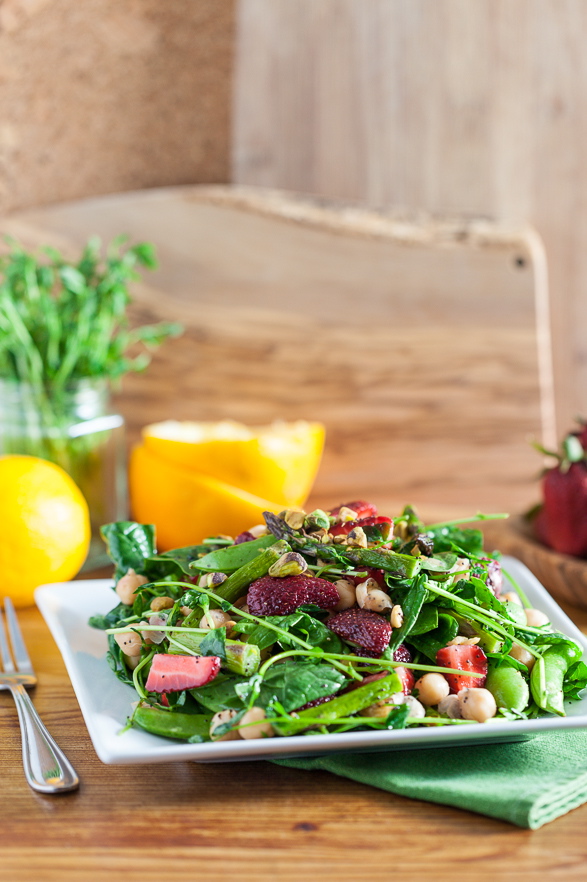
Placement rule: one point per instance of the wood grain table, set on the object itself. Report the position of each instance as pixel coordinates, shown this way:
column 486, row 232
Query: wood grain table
column 256, row 821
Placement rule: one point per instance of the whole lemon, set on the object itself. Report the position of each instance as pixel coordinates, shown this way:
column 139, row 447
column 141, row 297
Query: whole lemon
column 44, row 526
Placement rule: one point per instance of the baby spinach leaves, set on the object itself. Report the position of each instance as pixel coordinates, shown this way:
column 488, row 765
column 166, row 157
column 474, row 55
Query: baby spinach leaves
column 128, row 545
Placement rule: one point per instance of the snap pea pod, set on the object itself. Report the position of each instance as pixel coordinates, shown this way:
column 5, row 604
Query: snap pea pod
column 343, row 705
column 171, row 724
column 548, row 674
column 509, row 688
column 233, row 587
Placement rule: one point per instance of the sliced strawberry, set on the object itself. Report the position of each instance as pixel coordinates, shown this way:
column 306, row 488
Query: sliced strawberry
column 173, row 673
column 402, row 654
column 362, row 509
column 376, row 528
column 377, row 575
column 464, row 658
column 279, row 596
column 407, row 678
column 363, row 628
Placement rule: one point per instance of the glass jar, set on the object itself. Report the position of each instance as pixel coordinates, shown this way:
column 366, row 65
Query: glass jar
column 76, row 429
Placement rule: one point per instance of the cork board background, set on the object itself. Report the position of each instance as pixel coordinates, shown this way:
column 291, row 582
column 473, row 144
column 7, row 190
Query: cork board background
column 100, row 96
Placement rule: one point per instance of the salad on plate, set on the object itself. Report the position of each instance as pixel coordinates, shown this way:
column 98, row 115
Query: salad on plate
column 327, row 622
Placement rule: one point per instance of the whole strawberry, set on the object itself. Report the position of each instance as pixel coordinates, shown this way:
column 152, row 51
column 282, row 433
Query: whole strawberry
column 561, row 521
column 281, row 595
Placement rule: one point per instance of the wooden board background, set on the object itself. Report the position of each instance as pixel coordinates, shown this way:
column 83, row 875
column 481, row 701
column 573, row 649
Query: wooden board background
column 476, row 107
column 413, row 341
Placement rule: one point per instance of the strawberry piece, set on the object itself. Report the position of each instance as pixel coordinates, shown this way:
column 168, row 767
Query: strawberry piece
column 562, row 521
column 374, row 527
column 464, row 658
column 407, row 678
column 363, row 509
column 377, row 575
column 363, row 628
column 244, row 537
column 173, row 673
column 279, row 596
column 402, row 654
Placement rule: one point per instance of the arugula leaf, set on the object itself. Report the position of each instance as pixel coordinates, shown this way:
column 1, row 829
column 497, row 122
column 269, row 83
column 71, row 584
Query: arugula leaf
column 128, row 545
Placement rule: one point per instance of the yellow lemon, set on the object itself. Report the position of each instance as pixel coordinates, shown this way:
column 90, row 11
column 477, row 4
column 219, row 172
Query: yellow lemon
column 277, row 462
column 44, row 526
column 186, row 506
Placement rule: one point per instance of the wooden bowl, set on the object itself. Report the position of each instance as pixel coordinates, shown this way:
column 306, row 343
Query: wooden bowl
column 563, row 576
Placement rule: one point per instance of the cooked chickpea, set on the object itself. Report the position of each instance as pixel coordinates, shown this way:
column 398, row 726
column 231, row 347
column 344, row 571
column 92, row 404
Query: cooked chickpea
column 477, row 704
column 379, row 709
column 258, row 530
column 522, row 655
column 126, row 586
column 417, row 709
column 253, row 724
column 535, row 618
column 130, row 642
column 215, row 618
column 451, row 707
column 432, row 688
column 370, row 596
column 219, row 719
column 347, row 594
column 511, row 597
column 160, row 603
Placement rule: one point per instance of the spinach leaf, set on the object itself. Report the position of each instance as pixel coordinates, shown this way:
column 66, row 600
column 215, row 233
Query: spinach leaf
column 411, row 606
column 427, row 619
column 575, row 681
column 128, row 545
column 300, row 624
column 220, row 694
column 175, row 562
column 440, row 563
column 233, row 557
column 476, row 591
column 293, row 684
column 111, row 619
column 432, row 641
column 468, row 542
column 214, row 643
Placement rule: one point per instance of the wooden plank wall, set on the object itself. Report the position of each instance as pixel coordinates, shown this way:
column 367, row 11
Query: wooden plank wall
column 476, row 107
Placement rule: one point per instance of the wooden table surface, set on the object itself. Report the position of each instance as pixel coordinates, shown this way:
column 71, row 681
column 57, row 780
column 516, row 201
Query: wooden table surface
column 244, row 821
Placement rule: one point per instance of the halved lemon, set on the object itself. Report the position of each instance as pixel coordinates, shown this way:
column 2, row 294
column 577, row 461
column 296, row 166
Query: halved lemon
column 278, row 462
column 186, row 506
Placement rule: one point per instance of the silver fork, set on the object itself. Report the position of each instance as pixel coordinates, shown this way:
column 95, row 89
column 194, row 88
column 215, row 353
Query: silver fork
column 46, row 767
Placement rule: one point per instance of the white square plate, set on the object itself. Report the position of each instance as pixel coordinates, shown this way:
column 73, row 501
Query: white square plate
column 106, row 703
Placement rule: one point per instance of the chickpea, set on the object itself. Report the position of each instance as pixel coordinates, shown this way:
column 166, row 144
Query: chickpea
column 379, row 709
column 370, row 596
column 219, row 619
column 535, row 618
column 160, row 603
column 477, row 704
column 347, row 593
column 132, row 661
column 511, row 597
column 261, row 728
column 417, row 709
column 432, row 688
column 451, row 707
column 126, row 586
column 218, row 719
column 258, row 530
column 130, row 642
column 522, row 655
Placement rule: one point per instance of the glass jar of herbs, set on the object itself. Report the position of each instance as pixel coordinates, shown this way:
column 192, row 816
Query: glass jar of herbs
column 64, row 342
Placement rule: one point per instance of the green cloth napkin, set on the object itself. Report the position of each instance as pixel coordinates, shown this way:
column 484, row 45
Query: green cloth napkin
column 528, row 783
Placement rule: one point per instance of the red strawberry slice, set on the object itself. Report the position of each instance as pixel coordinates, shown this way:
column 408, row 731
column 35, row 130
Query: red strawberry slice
column 275, row 596
column 173, row 673
column 381, row 523
column 244, row 537
column 407, row 678
column 363, row 628
column 402, row 654
column 464, row 658
column 362, row 509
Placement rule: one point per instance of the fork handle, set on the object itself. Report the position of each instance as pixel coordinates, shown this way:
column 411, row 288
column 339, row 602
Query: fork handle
column 46, row 767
